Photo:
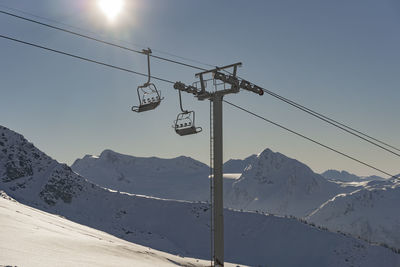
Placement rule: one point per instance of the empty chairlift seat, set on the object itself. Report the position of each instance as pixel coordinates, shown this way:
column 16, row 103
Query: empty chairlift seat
column 149, row 98
column 184, row 124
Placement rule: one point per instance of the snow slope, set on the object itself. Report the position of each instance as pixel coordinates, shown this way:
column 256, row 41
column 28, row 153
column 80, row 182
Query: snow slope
column 30, row 237
column 280, row 185
column 344, row 176
column 176, row 227
column 371, row 213
column 178, row 178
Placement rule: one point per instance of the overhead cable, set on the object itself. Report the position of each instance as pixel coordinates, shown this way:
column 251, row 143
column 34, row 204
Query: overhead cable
column 115, row 39
column 97, row 40
column 335, row 123
column 310, row 139
column 84, row 58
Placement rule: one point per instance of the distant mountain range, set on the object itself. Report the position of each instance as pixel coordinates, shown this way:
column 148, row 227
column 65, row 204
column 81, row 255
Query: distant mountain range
column 270, row 182
column 344, row 176
column 179, row 178
column 181, row 227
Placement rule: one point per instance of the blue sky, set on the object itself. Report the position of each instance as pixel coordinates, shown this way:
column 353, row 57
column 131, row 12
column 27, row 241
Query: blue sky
column 340, row 58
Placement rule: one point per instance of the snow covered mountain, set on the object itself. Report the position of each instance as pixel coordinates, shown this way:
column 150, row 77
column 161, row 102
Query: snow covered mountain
column 277, row 184
column 177, row 227
column 238, row 165
column 344, row 176
column 184, row 178
column 177, row 178
column 371, row 213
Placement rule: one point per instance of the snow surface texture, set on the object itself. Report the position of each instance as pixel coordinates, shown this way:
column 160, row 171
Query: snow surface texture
column 344, row 176
column 280, row 185
column 30, row 237
column 177, row 227
column 371, row 213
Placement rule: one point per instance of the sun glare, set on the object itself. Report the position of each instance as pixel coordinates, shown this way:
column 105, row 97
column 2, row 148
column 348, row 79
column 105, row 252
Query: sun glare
column 111, row 8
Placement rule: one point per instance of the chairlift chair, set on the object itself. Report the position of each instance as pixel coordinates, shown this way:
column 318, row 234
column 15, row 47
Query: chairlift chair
column 185, row 124
column 185, row 121
column 149, row 96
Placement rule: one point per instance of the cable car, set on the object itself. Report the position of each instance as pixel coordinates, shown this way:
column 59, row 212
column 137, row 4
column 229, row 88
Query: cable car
column 185, row 121
column 149, row 96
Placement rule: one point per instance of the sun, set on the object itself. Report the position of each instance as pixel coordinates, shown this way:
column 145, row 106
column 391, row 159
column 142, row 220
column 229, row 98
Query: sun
column 111, row 8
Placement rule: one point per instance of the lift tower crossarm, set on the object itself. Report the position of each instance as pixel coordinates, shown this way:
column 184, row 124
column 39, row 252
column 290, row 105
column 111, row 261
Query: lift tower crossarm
column 235, row 65
column 234, row 89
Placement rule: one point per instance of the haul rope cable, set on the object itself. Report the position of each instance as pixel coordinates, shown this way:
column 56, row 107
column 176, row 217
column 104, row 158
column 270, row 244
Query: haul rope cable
column 84, row 58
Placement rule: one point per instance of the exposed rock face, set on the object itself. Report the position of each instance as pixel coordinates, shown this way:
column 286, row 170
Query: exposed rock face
column 26, row 169
column 16, row 155
column 62, row 184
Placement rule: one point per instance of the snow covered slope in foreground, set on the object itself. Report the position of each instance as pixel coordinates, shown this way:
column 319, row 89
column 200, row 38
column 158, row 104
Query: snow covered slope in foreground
column 371, row 213
column 177, row 178
column 30, row 237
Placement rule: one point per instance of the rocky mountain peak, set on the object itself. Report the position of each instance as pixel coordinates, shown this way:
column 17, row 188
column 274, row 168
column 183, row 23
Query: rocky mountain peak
column 18, row 157
column 25, row 170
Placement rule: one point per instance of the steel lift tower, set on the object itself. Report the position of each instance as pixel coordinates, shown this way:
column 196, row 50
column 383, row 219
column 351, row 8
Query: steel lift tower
column 223, row 82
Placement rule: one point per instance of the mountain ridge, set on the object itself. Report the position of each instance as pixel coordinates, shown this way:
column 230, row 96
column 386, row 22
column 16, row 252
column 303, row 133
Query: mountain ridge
column 345, row 176
column 177, row 178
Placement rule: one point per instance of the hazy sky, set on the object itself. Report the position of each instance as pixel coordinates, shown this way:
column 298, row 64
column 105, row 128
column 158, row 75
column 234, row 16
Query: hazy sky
column 340, row 58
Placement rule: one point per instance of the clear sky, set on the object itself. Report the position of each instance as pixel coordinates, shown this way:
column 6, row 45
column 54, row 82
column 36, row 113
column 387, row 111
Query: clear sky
column 340, row 58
